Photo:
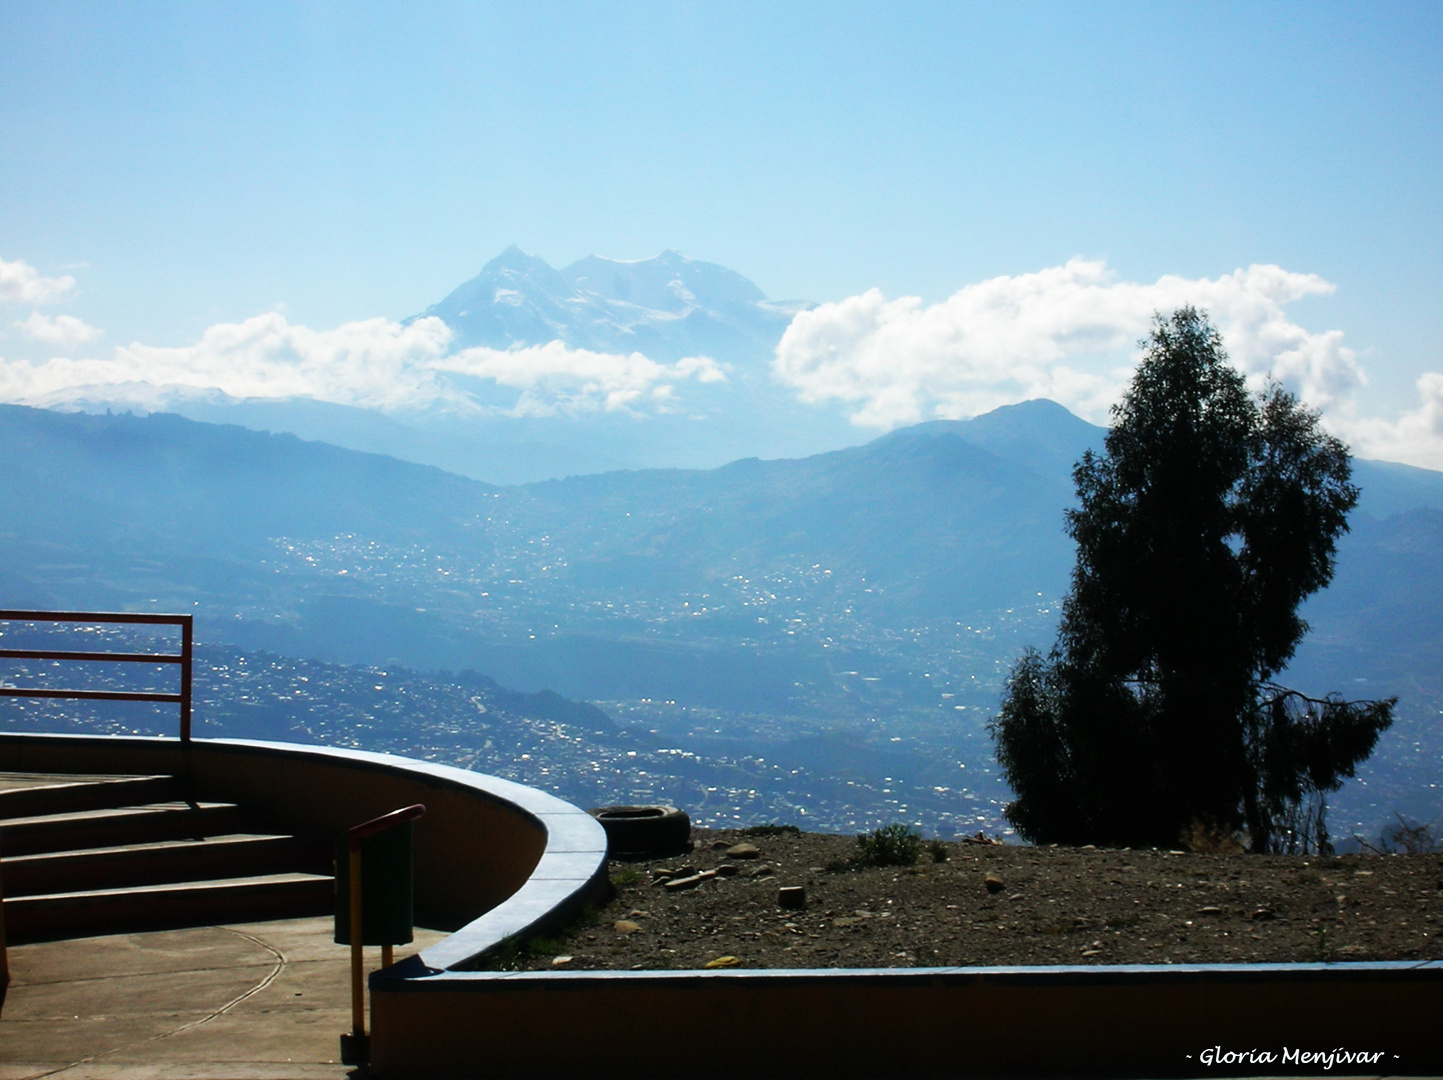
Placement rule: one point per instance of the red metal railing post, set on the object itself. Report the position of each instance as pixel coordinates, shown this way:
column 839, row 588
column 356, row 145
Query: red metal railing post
column 354, row 1048
column 184, row 658
column 4, row 953
column 358, row 947
column 187, row 643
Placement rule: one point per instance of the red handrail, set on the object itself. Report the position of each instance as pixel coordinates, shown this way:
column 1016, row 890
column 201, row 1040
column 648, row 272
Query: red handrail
column 355, row 1046
column 183, row 658
column 357, row 833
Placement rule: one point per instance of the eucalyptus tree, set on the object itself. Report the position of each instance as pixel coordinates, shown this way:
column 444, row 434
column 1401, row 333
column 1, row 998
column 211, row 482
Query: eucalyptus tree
column 1208, row 518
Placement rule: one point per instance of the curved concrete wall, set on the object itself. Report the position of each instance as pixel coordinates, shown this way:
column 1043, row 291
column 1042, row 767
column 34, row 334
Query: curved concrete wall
column 492, row 857
column 495, row 859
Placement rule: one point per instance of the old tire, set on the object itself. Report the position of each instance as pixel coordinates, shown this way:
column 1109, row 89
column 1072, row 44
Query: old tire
column 644, row 830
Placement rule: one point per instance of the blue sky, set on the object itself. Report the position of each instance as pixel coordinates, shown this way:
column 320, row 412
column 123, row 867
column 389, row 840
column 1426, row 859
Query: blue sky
column 190, row 164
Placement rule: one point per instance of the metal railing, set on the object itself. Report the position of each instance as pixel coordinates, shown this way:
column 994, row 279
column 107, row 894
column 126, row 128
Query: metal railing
column 355, row 1047
column 183, row 658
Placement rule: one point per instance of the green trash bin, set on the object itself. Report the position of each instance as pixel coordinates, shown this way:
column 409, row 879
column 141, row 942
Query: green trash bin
column 387, row 892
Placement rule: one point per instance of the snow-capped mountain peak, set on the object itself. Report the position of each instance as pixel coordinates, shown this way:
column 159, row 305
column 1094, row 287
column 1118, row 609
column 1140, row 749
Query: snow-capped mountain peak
column 667, row 307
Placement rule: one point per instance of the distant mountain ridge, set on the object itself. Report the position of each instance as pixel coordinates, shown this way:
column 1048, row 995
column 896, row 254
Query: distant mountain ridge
column 1040, row 434
column 891, row 582
column 667, row 307
column 937, row 517
column 113, row 489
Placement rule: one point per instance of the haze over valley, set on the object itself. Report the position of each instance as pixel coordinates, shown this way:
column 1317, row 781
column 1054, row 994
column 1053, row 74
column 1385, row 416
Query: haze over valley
column 817, row 640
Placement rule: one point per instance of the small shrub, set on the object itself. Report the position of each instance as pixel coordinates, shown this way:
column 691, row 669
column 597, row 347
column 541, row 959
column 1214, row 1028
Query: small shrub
column 937, row 850
column 1410, row 837
column 1208, row 838
column 891, row 845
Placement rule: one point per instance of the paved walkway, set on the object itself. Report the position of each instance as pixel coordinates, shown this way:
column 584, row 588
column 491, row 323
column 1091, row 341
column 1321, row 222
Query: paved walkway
column 260, row 1001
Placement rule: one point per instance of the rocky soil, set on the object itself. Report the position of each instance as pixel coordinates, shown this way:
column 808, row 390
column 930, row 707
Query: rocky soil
column 996, row 905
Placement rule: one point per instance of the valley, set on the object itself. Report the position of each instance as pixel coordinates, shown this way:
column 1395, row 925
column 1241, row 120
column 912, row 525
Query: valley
column 817, row 641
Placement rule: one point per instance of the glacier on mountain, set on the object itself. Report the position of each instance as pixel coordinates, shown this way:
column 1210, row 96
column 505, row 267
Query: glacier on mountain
column 668, row 307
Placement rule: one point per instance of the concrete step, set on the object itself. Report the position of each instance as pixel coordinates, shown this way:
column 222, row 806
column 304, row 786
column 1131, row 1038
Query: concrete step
column 242, row 855
column 101, row 855
column 193, row 903
column 75, row 796
column 125, row 825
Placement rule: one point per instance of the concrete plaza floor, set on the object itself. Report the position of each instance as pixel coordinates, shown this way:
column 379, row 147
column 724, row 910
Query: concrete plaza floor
column 258, row 1001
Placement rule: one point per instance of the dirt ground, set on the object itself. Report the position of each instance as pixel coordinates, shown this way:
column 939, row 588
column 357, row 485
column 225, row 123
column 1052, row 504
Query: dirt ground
column 1041, row 906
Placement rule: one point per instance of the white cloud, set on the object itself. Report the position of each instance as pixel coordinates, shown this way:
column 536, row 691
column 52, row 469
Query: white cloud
column 1068, row 333
column 375, row 364
column 63, row 331
column 1415, row 438
column 553, row 378
column 21, row 283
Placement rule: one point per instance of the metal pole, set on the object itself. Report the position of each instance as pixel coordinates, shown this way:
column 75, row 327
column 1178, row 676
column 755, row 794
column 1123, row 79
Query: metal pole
column 187, row 634
column 4, row 955
column 355, row 1048
column 358, row 1005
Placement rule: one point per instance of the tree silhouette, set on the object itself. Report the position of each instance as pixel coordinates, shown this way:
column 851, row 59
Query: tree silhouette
column 1209, row 517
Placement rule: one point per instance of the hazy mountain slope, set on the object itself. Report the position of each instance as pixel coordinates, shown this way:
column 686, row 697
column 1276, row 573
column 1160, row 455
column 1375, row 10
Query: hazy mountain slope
column 1381, row 621
column 1391, row 488
column 204, row 488
column 659, row 583
column 852, row 598
column 161, row 512
column 935, row 523
column 1041, row 435
column 315, row 551
column 499, row 449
